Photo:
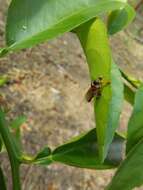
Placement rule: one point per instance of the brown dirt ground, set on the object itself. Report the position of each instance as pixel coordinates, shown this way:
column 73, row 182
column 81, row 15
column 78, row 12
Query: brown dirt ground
column 52, row 97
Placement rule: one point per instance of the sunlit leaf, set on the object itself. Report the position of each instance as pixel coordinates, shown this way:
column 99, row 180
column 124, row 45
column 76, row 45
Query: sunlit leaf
column 32, row 21
column 94, row 39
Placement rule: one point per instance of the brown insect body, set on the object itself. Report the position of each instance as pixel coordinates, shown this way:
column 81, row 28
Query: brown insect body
column 94, row 90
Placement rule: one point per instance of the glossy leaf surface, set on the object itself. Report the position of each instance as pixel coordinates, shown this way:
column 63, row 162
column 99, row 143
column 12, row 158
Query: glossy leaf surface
column 94, row 39
column 32, row 21
column 82, row 152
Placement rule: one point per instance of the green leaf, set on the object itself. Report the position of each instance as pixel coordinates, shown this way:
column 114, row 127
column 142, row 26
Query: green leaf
column 8, row 139
column 131, row 80
column 82, row 152
column 129, row 174
column 43, row 157
column 2, row 180
column 31, row 22
column 135, row 125
column 43, row 153
column 118, row 19
column 131, row 84
column 14, row 153
column 129, row 94
column 3, row 52
column 94, row 39
column 3, row 80
column 114, row 110
column 15, row 125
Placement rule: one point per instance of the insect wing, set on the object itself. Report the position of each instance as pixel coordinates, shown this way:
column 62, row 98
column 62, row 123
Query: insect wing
column 89, row 95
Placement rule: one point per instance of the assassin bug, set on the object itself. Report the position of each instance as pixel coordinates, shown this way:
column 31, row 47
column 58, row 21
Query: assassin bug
column 95, row 89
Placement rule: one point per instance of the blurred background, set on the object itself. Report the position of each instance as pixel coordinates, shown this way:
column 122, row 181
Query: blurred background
column 51, row 94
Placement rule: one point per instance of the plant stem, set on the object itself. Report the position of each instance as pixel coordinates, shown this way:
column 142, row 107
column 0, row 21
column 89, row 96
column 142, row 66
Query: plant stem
column 2, row 180
column 132, row 81
column 15, row 166
column 13, row 151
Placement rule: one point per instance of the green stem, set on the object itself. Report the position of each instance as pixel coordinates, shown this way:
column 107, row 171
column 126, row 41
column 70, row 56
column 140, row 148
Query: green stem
column 134, row 82
column 2, row 180
column 129, row 94
column 13, row 151
column 15, row 166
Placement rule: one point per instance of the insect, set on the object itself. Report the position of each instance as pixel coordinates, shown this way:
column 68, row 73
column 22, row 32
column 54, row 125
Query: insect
column 95, row 89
